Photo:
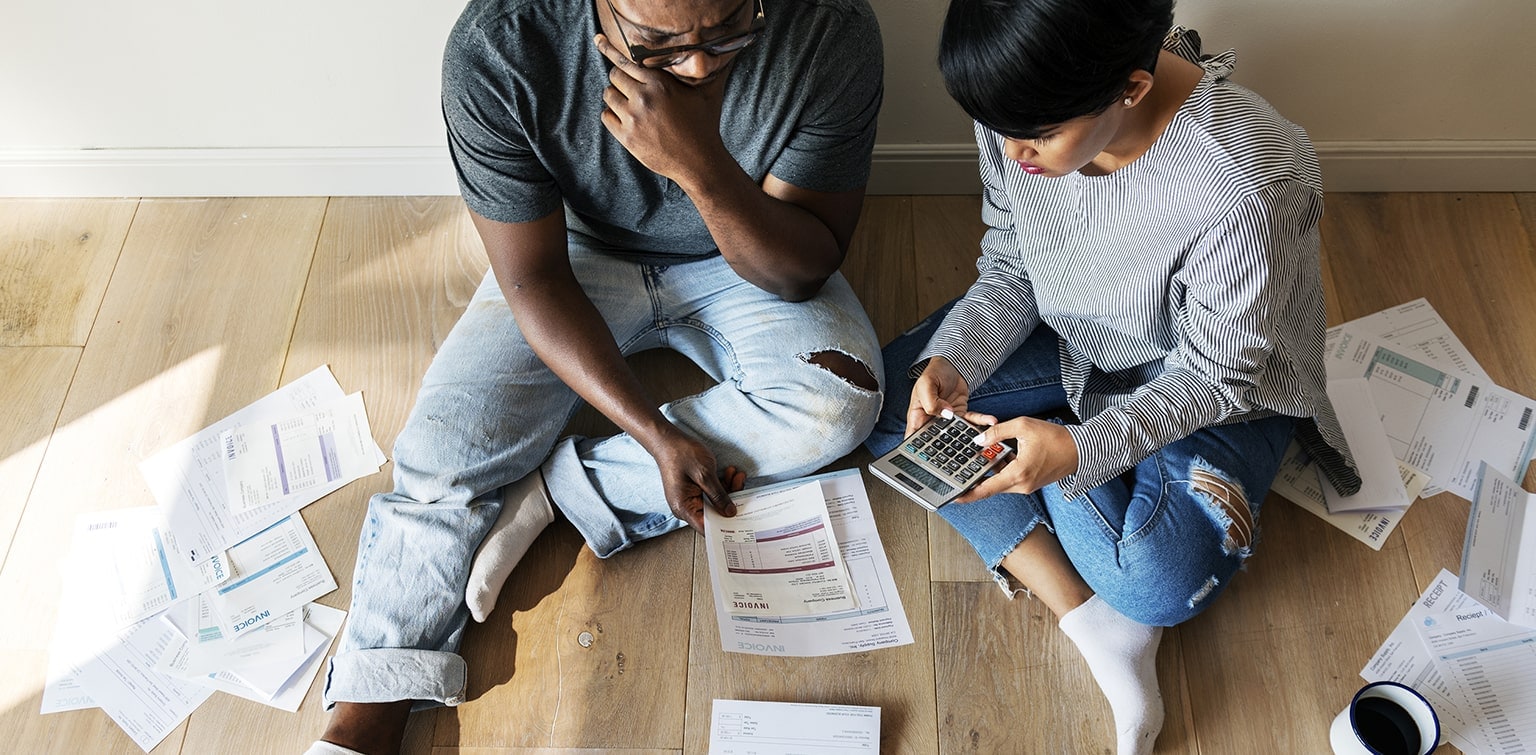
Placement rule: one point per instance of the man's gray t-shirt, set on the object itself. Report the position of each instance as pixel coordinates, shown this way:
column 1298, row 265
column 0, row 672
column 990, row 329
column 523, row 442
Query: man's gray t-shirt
column 523, row 100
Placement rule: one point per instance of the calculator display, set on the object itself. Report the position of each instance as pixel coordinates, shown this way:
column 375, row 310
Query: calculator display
column 922, row 475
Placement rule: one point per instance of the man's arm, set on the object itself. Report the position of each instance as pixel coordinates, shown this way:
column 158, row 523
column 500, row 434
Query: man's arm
column 532, row 265
column 779, row 237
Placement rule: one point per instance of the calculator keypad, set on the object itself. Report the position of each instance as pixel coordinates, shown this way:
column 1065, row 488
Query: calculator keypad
column 945, row 444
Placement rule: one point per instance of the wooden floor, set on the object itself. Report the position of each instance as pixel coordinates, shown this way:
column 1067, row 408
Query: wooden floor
column 127, row 325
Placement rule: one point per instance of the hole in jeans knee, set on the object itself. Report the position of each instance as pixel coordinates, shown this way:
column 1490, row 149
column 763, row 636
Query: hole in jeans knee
column 1206, row 588
column 1229, row 507
column 846, row 367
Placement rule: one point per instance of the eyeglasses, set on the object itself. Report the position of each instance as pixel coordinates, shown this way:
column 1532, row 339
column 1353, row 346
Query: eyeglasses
column 667, row 57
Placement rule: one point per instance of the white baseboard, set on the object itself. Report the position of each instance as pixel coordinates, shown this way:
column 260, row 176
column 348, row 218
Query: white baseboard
column 1460, row 165
column 258, row 172
column 1444, row 165
column 924, row 169
column 1447, row 165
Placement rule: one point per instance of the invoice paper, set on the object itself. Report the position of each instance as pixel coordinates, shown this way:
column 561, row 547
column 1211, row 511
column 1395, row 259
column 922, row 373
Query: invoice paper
column 777, row 556
column 318, row 620
column 267, row 678
column 1419, row 330
column 275, row 571
column 75, row 641
column 207, row 651
column 1300, row 482
column 744, row 727
column 1437, row 419
column 1498, row 557
column 1404, row 658
column 301, row 453
column 1492, row 665
column 61, row 686
column 187, row 479
column 879, row 620
column 123, row 567
column 279, row 680
column 147, row 704
column 266, row 647
column 1381, row 482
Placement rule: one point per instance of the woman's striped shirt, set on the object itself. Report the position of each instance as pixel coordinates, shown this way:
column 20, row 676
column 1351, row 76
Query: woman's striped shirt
column 1185, row 286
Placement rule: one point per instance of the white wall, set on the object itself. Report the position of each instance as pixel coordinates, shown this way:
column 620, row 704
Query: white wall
column 206, row 73
column 340, row 96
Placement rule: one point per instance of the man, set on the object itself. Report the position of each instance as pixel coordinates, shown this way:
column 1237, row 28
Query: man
column 644, row 173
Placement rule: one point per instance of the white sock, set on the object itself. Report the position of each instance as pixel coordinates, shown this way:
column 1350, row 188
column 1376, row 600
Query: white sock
column 525, row 512
column 1122, row 655
column 321, row 747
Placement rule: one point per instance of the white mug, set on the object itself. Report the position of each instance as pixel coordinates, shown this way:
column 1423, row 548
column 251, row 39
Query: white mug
column 1385, row 718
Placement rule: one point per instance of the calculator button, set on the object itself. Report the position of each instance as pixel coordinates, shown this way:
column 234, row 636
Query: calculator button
column 989, row 453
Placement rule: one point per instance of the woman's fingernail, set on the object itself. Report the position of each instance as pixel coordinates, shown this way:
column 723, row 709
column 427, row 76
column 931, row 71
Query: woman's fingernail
column 980, row 439
column 947, row 414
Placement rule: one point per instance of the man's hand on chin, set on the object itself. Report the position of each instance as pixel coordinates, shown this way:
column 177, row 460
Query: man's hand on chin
column 669, row 123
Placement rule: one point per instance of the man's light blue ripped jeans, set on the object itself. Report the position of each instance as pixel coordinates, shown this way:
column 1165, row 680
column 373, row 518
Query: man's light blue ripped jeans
column 489, row 412
column 1152, row 543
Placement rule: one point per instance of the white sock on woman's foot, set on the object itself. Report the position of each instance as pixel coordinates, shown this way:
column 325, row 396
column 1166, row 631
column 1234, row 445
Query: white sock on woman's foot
column 525, row 512
column 1122, row 654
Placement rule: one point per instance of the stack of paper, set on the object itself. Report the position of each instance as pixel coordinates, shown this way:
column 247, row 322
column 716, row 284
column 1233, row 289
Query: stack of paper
column 780, row 557
column 1477, row 670
column 211, row 590
column 1420, row 416
column 1469, row 644
column 800, row 571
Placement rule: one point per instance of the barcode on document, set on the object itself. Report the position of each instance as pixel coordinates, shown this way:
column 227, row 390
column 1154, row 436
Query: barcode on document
column 1525, row 418
column 1471, row 397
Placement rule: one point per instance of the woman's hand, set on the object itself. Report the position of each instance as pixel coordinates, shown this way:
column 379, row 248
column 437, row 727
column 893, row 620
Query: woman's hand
column 940, row 387
column 1045, row 453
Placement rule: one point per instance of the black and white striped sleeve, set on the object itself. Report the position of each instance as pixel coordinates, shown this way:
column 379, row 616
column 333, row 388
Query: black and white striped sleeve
column 998, row 311
column 1230, row 297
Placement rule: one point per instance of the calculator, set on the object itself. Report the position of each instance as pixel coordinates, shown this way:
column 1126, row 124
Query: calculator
column 937, row 463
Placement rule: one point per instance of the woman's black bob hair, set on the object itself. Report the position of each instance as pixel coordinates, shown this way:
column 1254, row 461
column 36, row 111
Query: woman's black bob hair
column 1021, row 67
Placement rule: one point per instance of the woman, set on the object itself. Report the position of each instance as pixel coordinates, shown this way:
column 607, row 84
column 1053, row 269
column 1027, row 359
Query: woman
column 1151, row 267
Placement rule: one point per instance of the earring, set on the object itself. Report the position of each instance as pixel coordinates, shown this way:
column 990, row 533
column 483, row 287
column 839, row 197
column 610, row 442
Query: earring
column 1129, row 102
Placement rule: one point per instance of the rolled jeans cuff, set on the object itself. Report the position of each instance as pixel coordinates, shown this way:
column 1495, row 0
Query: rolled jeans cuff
column 384, row 675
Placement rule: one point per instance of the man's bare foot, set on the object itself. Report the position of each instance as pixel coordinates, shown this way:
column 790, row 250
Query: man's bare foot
column 372, row 728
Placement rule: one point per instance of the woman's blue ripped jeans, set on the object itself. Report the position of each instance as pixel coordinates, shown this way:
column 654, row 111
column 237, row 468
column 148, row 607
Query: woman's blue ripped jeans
column 1155, row 543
